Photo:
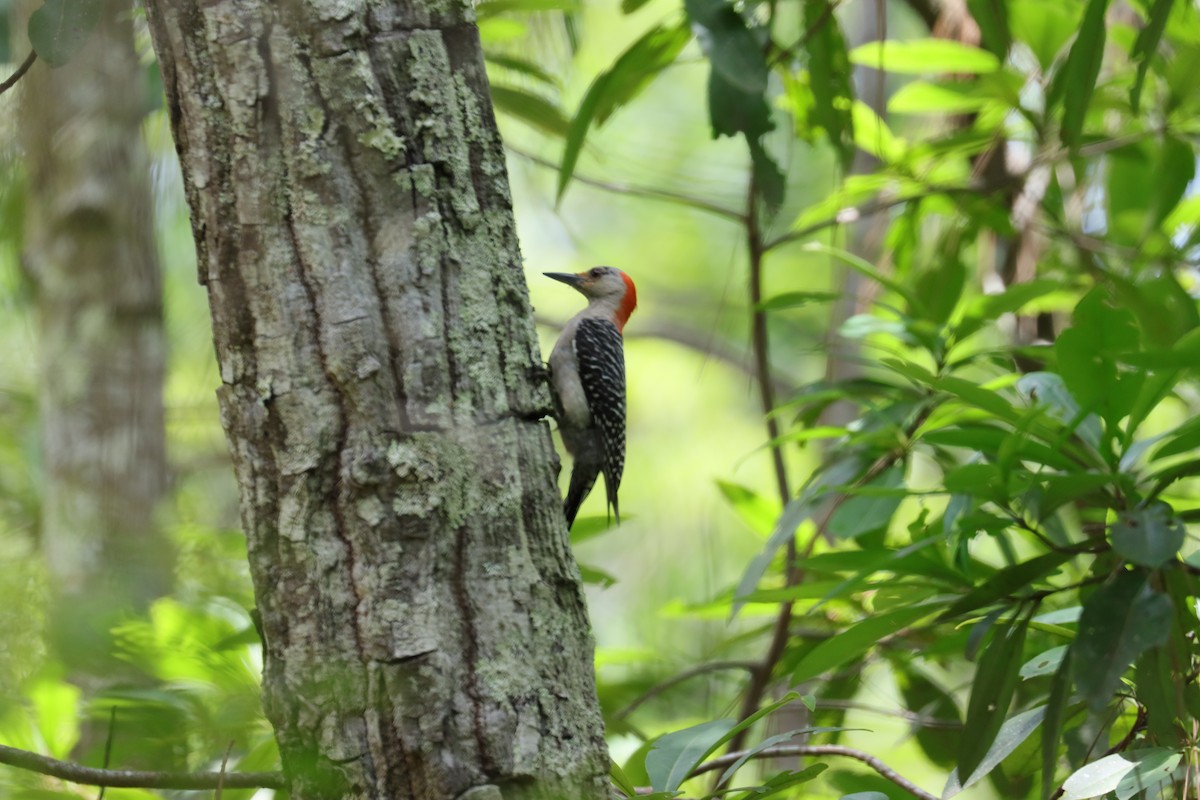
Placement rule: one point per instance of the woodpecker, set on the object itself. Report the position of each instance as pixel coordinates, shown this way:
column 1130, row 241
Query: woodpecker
column 587, row 371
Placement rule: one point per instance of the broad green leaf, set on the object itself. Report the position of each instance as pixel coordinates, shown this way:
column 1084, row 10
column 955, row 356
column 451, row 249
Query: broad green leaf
column 1120, row 621
column 530, row 108
column 1012, row 733
column 921, row 56
column 1044, row 663
column 620, row 84
column 675, row 755
column 857, row 639
column 1148, row 537
column 1049, row 390
column 1079, row 73
column 1146, row 45
column 991, row 694
column 1006, row 583
column 829, row 78
column 60, row 28
column 1097, row 778
column 1152, row 766
column 737, row 81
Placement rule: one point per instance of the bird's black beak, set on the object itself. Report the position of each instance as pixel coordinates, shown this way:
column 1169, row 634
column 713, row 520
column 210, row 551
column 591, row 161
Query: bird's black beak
column 569, row 278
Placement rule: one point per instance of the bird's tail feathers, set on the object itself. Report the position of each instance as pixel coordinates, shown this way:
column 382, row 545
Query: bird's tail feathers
column 583, row 478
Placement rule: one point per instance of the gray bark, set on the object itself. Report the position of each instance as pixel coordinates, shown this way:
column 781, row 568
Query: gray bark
column 425, row 632
column 90, row 252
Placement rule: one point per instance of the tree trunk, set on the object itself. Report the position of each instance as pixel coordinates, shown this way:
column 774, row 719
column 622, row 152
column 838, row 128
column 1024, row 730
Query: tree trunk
column 425, row 631
column 91, row 254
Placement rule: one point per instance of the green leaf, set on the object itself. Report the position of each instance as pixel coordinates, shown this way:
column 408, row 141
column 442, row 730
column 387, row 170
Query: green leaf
column 992, row 18
column 60, row 28
column 487, row 9
column 738, row 80
column 1043, row 27
column 1080, row 72
column 520, row 65
column 940, row 289
column 1148, row 537
column 830, row 78
column 1044, row 663
column 1099, row 777
column 796, row 300
column 1056, row 708
column 596, row 576
column 530, row 108
column 863, row 514
column 1152, row 766
column 1006, row 583
column 675, row 755
column 1120, row 621
column 618, row 778
column 866, row 268
column 927, row 698
column 619, row 85
column 991, row 694
column 782, row 781
column 1012, row 733
column 920, row 56
column 1146, row 45
column 857, row 639
column 755, row 510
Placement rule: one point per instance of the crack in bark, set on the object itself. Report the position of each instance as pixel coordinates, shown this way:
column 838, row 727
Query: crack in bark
column 470, row 650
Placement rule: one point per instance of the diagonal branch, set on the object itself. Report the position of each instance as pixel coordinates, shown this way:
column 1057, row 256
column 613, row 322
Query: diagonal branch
column 136, row 779
column 11, row 80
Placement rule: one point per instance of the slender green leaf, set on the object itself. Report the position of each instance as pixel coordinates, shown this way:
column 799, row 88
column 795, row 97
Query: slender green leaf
column 617, row 86
column 991, row 694
column 1082, row 68
column 1044, row 663
column 1056, row 709
column 675, row 755
column 530, row 108
column 1006, row 583
column 1012, row 733
column 1146, row 45
column 858, row 639
column 921, row 56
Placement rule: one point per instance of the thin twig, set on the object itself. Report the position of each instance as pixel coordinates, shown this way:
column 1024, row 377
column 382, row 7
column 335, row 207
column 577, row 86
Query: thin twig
column 20, row 73
column 675, row 680
column 108, row 742
column 221, row 774
column 760, row 341
column 135, row 779
column 793, row 750
column 634, row 190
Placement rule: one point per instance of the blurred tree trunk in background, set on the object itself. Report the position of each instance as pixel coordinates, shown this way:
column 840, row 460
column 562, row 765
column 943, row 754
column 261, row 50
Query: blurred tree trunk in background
column 425, row 631
column 90, row 252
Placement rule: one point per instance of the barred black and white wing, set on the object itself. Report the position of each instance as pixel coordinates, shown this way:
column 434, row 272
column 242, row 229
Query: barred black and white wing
column 600, row 354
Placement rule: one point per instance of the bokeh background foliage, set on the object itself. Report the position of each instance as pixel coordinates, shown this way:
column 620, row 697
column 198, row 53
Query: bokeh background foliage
column 912, row 400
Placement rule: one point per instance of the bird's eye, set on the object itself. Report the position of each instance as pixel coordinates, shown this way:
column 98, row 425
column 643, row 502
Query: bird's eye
column 595, row 273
